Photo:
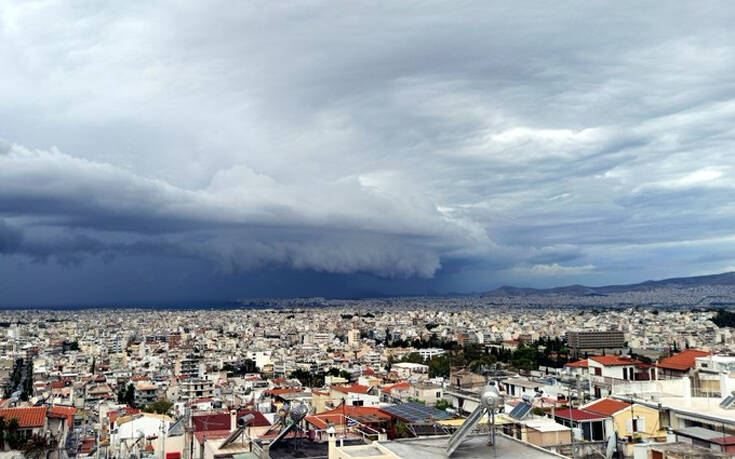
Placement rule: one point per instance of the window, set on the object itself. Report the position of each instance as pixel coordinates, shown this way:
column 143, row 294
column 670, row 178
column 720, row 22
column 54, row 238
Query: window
column 636, row 425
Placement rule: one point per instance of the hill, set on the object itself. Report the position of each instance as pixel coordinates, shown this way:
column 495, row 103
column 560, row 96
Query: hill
column 723, row 279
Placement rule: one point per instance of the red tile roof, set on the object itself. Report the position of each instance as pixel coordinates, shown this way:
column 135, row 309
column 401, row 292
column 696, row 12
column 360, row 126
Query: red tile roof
column 28, row 417
column 354, row 388
column 579, row 363
column 606, row 406
column 613, row 360
column 578, row 415
column 66, row 412
column 682, row 361
column 400, row 385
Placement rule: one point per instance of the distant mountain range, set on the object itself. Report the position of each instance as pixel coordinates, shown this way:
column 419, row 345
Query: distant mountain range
column 724, row 279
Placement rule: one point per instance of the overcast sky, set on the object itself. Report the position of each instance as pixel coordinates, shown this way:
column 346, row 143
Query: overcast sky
column 174, row 151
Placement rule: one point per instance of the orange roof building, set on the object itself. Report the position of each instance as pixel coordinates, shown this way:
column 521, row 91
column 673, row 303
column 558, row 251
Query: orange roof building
column 606, row 406
column 354, row 389
column 681, row 363
column 614, row 360
column 28, row 417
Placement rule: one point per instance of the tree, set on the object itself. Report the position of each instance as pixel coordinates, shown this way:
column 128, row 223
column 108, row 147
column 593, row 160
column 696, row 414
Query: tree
column 130, row 395
column 483, row 361
column 413, row 357
column 402, row 430
column 38, row 446
column 2, row 433
column 724, row 318
column 307, row 378
column 442, row 404
column 162, row 406
column 13, row 435
column 439, row 366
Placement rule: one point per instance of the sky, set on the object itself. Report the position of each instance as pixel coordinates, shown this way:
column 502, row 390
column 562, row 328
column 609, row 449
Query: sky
column 173, row 151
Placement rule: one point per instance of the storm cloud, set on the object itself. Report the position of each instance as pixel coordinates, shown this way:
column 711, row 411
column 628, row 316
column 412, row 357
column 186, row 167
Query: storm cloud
column 397, row 146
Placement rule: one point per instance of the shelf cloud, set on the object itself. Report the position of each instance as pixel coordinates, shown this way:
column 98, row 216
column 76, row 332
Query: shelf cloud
column 393, row 148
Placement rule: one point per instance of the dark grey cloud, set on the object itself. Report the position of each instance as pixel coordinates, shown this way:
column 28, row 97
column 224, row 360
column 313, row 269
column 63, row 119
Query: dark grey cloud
column 465, row 144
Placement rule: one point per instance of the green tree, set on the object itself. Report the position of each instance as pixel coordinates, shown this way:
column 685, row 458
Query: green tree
column 413, row 357
column 484, row 361
column 38, row 446
column 442, row 404
column 161, row 406
column 130, row 395
column 13, row 437
column 402, row 430
column 440, row 366
column 2, row 433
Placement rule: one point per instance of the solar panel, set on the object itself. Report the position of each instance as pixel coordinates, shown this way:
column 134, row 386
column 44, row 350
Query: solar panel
column 521, row 410
column 415, row 412
column 728, row 402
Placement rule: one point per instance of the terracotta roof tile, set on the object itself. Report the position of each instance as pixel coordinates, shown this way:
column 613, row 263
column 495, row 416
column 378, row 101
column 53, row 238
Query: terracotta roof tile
column 354, row 388
column 614, row 360
column 28, row 417
column 682, row 361
column 606, row 406
column 66, row 412
column 400, row 385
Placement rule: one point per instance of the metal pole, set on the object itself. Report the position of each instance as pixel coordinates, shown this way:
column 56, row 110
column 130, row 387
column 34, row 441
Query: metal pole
column 571, row 416
column 495, row 449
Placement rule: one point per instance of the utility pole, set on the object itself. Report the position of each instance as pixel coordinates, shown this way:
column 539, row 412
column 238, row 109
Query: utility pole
column 571, row 414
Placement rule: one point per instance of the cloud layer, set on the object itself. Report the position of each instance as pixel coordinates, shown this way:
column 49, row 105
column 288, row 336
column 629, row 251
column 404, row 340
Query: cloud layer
column 465, row 144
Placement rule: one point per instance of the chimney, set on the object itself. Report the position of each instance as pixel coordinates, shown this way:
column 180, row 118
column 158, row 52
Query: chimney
column 332, row 442
column 233, row 420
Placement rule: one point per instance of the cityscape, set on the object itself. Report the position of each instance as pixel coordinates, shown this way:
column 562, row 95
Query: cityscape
column 278, row 229
column 381, row 377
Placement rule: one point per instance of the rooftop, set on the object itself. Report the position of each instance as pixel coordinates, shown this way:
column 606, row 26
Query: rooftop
column 683, row 360
column 28, row 417
column 614, row 360
column 606, row 406
column 575, row 414
column 474, row 447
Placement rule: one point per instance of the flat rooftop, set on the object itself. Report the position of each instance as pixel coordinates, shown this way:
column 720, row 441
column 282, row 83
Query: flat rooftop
column 474, row 447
